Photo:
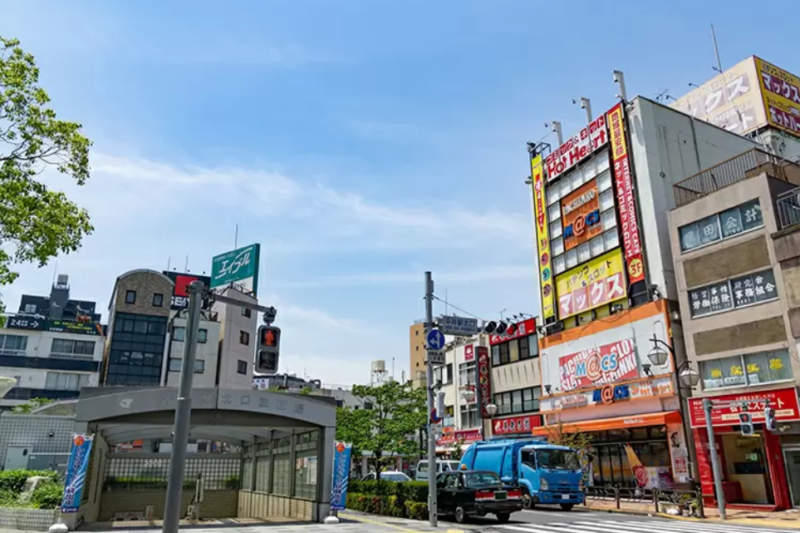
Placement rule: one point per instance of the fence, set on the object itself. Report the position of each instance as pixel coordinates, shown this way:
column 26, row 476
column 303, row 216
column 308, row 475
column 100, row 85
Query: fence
column 789, row 208
column 689, row 502
column 736, row 169
column 148, row 471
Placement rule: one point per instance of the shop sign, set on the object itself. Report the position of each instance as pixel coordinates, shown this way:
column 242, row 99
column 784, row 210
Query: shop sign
column 781, row 93
column 469, row 352
column 484, row 379
column 516, row 424
column 572, row 401
column 588, row 286
column 450, row 436
column 626, row 202
column 577, row 148
column 784, row 401
column 581, row 215
column 180, row 292
column 611, row 393
column 608, row 363
column 524, row 328
column 542, row 238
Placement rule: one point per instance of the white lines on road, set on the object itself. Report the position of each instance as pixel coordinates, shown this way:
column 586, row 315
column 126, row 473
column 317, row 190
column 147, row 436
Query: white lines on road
column 651, row 526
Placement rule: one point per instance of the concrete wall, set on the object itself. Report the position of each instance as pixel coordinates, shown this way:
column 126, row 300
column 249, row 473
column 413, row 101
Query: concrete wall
column 216, row 503
column 271, row 506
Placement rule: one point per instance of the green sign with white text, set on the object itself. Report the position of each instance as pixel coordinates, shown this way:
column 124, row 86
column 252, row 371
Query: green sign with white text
column 239, row 267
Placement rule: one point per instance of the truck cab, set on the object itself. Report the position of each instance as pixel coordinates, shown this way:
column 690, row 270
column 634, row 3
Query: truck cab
column 548, row 474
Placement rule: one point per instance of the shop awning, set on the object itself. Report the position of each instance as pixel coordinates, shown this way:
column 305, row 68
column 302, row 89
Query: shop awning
column 622, row 422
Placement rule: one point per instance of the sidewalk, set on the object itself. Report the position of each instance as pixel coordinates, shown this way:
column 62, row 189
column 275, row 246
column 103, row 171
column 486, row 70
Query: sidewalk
column 784, row 519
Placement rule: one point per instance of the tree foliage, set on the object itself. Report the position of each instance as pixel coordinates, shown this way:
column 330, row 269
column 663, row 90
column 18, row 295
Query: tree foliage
column 36, row 223
column 577, row 440
column 388, row 420
column 31, row 405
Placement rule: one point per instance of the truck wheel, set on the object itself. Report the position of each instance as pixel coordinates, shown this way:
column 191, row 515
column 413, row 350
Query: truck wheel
column 567, row 506
column 503, row 517
column 460, row 515
column 527, row 501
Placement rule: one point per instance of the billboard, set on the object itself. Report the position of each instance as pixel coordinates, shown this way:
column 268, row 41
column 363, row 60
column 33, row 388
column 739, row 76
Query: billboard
column 180, row 294
column 238, row 267
column 608, row 363
column 542, row 238
column 597, row 282
column 781, row 93
column 580, row 215
column 629, row 225
column 577, row 148
column 784, row 401
column 732, row 100
column 484, row 379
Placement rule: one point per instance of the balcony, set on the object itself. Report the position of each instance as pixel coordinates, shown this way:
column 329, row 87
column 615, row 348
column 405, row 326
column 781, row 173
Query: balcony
column 745, row 165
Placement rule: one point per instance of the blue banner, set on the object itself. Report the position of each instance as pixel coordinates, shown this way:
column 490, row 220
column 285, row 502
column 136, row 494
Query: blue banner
column 76, row 472
column 341, row 475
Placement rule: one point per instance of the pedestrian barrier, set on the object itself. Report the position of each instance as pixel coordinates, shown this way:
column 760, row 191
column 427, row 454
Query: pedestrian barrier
column 688, row 502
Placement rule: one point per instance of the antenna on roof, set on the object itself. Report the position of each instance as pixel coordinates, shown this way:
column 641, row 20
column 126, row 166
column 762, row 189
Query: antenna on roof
column 718, row 68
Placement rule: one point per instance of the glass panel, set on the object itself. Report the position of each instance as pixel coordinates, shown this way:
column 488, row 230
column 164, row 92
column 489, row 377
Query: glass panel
column 178, row 333
column 607, row 200
column 527, row 400
column 611, row 238
column 522, row 344
column 305, row 474
column 575, row 180
column 744, row 292
column 495, row 355
column 780, row 368
column 604, row 181
column 751, row 215
column 554, row 212
column 597, row 246
column 584, row 252
column 559, row 264
column 690, row 236
column 571, row 258
column 533, row 346
column 757, row 368
column 764, row 285
column 731, row 222
column 555, row 229
column 709, row 229
column 602, row 161
column 589, row 171
column 50, row 382
column 557, row 246
column 516, row 401
column 608, row 219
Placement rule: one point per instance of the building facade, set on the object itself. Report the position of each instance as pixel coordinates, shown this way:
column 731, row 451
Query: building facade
column 237, row 341
column 416, row 352
column 736, row 287
column 206, row 358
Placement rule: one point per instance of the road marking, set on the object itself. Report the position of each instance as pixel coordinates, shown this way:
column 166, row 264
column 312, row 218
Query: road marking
column 696, row 527
column 653, row 526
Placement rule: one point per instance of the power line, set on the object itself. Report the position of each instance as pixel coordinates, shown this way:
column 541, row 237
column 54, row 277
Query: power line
column 450, row 304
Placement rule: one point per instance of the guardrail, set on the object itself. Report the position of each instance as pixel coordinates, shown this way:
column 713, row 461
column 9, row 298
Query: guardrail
column 689, row 502
column 789, row 208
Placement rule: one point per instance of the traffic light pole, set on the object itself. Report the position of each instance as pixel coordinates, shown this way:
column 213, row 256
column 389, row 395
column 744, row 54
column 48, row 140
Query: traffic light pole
column 712, row 448
column 432, row 470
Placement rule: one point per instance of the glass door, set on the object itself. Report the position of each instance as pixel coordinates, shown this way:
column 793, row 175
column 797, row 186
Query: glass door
column 792, row 460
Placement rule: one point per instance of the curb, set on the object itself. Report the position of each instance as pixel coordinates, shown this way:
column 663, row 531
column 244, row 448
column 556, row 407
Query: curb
column 754, row 522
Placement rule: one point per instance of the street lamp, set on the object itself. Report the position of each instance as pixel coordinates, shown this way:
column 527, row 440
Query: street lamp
column 688, row 377
column 491, row 409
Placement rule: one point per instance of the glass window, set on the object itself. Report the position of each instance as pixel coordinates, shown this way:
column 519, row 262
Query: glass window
column 179, row 333
column 728, row 223
column 202, row 335
column 572, row 258
column 606, row 201
column 305, row 474
column 262, row 472
column 466, row 373
column 527, row 400
column 556, row 230
column 727, row 372
column 248, row 313
column 66, row 381
column 709, row 229
column 597, row 246
column 524, row 351
column 738, row 292
column 731, row 222
column 554, row 212
column 241, row 367
column 584, row 252
column 158, row 300
column 690, row 236
column 751, row 215
column 611, row 239
column 130, row 297
column 13, row 343
column 496, row 355
column 559, row 264
column 557, row 246
column 513, row 351
column 604, row 181
column 537, row 393
column 244, row 338
column 504, row 353
column 516, row 401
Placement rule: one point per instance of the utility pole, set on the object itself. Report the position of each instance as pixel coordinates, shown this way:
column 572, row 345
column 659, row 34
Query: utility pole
column 183, row 412
column 432, row 496
column 712, row 448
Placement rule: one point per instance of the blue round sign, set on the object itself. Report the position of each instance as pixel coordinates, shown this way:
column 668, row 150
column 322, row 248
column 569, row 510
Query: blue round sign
column 435, row 340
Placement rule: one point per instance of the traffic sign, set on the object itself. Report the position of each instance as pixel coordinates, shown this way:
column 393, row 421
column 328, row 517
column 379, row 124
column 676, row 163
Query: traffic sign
column 436, row 358
column 435, row 340
column 458, row 325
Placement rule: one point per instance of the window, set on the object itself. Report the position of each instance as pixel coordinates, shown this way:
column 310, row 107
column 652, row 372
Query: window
column 449, row 418
column 368, row 406
column 733, row 293
column 175, row 365
column 244, row 338
column 72, row 349
column 158, row 299
column 443, row 374
column 469, row 416
column 728, row 223
column 744, row 370
column 179, row 333
column 136, row 352
column 241, row 366
column 515, row 350
column 66, row 381
column 30, row 309
column 202, row 335
column 504, row 353
column 13, row 344
column 247, row 312
column 518, row 401
column 130, row 297
column 496, row 355
column 466, row 374
column 305, row 468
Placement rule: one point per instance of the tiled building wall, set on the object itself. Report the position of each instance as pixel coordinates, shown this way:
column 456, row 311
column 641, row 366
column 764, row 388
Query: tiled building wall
column 27, row 519
column 34, row 430
column 216, row 503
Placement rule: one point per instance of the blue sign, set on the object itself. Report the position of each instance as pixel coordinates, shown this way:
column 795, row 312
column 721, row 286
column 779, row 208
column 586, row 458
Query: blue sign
column 75, row 477
column 341, row 475
column 435, row 340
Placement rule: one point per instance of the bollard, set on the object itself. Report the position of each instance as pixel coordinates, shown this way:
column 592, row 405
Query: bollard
column 616, row 496
column 701, row 510
column 655, row 499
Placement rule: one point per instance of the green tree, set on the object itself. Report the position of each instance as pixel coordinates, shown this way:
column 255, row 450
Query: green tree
column 387, row 421
column 30, row 406
column 36, row 223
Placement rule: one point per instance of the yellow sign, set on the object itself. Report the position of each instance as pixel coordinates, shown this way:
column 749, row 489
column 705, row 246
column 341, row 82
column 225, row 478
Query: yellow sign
column 781, row 93
column 592, row 284
column 542, row 238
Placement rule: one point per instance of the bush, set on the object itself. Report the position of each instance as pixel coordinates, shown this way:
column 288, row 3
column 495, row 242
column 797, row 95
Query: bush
column 389, row 499
column 13, row 481
column 48, row 495
column 417, row 510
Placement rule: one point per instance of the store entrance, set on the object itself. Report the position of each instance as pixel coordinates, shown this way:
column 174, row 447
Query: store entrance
column 792, row 460
column 610, row 465
column 747, row 470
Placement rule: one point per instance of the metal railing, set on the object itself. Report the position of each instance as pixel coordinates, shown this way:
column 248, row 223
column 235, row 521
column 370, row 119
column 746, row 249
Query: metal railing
column 688, row 502
column 745, row 165
column 789, row 208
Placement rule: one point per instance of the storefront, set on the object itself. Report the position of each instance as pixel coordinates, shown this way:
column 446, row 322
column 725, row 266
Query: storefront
column 451, row 440
column 759, row 471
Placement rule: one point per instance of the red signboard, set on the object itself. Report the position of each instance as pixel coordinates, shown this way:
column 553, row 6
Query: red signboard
column 626, row 202
column 524, row 328
column 450, row 436
column 608, row 363
column 784, row 401
column 469, row 352
column 484, row 379
column 180, row 293
column 516, row 424
column 577, row 148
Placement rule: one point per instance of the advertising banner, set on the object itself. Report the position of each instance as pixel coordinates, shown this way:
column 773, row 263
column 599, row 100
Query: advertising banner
column 784, row 401
column 592, row 284
column 542, row 238
column 581, row 215
column 781, row 93
column 577, row 148
column 524, row 328
column 608, row 363
column 57, row 326
column 238, row 267
column 469, row 352
column 180, row 294
column 484, row 379
column 450, row 436
column 516, row 424
column 626, row 202
column 341, row 475
column 75, row 476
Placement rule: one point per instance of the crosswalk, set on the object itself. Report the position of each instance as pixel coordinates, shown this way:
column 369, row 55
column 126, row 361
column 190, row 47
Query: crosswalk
column 640, row 526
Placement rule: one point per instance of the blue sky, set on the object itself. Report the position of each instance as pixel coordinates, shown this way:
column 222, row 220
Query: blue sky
column 361, row 142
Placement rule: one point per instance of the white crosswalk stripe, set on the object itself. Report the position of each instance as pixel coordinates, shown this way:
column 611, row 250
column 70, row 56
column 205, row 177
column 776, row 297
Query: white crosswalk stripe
column 636, row 526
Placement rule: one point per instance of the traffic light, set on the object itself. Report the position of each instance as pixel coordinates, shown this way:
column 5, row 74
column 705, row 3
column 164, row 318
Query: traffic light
column 268, row 351
column 746, row 424
column 769, row 419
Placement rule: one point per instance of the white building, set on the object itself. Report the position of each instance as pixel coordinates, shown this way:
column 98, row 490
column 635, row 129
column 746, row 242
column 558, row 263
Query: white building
column 237, row 341
column 206, row 358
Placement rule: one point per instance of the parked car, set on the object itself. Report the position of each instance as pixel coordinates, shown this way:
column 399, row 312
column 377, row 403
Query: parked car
column 465, row 493
column 441, row 466
column 389, row 475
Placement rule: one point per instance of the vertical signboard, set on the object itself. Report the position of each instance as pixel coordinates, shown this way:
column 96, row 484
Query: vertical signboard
column 237, row 267
column 780, row 91
column 341, row 475
column 625, row 197
column 75, row 477
column 484, row 379
column 542, row 238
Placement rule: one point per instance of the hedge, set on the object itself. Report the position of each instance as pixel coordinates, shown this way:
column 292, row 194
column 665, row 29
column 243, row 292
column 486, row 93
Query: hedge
column 47, row 495
column 399, row 500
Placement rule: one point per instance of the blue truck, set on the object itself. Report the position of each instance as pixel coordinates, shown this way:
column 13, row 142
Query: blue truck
column 548, row 473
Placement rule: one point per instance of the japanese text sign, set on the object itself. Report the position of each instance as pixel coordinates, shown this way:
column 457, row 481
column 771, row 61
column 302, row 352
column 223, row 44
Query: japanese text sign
column 577, row 148
column 469, row 352
column 625, row 197
column 237, row 267
column 608, row 363
column 484, row 379
column 542, row 238
column 516, row 424
column 341, row 475
column 75, row 477
column 588, row 286
column 784, row 401
column 781, row 93
column 524, row 328
column 581, row 215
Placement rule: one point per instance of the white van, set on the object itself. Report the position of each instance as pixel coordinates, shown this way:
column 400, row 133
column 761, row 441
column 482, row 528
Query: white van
column 441, row 466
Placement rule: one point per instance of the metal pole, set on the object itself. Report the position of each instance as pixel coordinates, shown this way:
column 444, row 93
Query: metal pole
column 183, row 413
column 432, row 500
column 712, row 447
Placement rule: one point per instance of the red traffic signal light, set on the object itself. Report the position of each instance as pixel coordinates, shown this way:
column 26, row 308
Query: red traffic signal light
column 268, row 349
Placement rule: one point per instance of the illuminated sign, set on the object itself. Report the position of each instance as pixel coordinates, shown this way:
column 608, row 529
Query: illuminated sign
column 577, row 148
column 608, row 363
column 581, row 215
column 781, row 93
column 597, row 282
